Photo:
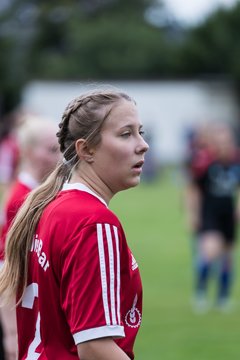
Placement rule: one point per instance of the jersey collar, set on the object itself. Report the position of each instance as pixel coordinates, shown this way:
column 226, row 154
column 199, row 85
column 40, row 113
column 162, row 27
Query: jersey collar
column 82, row 187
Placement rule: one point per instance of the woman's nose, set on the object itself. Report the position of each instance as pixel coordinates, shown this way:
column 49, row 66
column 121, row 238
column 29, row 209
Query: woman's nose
column 143, row 146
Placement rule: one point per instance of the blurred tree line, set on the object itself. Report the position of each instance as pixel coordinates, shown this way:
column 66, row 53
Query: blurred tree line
column 109, row 39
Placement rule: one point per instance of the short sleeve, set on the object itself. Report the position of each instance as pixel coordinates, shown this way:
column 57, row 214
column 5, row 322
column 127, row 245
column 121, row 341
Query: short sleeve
column 90, row 283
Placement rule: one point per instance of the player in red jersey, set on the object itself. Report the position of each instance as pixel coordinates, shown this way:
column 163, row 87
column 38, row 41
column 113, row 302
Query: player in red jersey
column 78, row 286
column 39, row 152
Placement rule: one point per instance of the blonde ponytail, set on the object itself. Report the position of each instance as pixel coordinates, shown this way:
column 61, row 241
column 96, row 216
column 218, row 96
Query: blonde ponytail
column 13, row 275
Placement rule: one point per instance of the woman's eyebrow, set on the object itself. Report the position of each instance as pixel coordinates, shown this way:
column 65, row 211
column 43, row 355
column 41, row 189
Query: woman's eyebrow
column 131, row 126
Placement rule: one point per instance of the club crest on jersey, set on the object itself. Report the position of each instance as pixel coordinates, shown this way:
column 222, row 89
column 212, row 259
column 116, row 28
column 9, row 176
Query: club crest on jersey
column 134, row 263
column 133, row 317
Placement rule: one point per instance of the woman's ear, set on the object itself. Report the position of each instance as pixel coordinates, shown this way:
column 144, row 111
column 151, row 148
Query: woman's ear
column 83, row 151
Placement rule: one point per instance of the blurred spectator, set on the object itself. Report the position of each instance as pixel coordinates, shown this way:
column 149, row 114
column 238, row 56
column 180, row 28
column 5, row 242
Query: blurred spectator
column 199, row 154
column 150, row 165
column 212, row 210
column 9, row 156
column 8, row 149
column 39, row 153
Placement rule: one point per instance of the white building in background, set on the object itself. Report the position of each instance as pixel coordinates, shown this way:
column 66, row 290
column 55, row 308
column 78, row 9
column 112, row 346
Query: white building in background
column 167, row 108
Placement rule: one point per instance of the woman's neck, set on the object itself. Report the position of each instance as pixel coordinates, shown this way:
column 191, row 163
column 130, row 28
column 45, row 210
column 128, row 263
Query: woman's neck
column 93, row 183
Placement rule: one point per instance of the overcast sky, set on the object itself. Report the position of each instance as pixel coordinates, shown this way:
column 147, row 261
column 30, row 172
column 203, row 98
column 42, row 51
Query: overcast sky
column 193, row 11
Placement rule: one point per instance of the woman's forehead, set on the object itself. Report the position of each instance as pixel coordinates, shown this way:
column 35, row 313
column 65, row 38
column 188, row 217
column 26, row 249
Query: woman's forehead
column 123, row 113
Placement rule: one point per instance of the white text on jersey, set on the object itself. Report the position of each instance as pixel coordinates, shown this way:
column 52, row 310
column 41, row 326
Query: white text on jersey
column 37, row 245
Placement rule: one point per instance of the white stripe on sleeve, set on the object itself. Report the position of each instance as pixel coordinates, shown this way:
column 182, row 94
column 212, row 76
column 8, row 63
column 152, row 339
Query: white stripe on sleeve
column 118, row 273
column 112, row 275
column 103, row 272
column 110, row 280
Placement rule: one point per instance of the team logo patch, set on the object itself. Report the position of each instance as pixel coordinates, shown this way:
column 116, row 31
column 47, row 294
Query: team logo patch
column 133, row 317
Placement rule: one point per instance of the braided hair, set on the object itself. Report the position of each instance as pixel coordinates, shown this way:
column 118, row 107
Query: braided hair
column 83, row 118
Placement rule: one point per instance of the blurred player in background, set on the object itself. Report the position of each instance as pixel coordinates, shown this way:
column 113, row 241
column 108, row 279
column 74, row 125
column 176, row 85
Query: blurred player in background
column 39, row 154
column 9, row 156
column 213, row 207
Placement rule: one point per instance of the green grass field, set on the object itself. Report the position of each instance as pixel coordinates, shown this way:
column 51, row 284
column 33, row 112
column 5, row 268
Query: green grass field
column 153, row 219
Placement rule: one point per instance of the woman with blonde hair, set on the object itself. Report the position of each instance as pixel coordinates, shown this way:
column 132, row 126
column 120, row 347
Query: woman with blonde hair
column 78, row 287
column 39, row 154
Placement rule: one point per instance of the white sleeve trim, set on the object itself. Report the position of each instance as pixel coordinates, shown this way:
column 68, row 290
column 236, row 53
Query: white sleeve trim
column 95, row 333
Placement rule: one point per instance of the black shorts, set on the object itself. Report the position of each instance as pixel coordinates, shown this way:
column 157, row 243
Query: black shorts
column 221, row 220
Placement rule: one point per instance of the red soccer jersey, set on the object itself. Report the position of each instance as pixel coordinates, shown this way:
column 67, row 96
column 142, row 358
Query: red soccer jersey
column 18, row 193
column 200, row 163
column 83, row 281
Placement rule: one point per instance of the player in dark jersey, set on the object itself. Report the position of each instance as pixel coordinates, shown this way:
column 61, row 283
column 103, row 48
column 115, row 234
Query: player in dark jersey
column 216, row 179
column 77, row 283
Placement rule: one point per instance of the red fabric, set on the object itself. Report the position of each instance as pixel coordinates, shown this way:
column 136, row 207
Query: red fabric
column 17, row 195
column 87, row 280
column 200, row 162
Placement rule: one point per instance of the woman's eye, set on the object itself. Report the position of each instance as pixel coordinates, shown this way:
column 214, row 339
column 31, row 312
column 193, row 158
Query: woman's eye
column 126, row 134
column 141, row 132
